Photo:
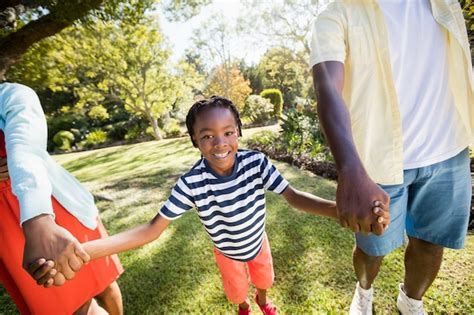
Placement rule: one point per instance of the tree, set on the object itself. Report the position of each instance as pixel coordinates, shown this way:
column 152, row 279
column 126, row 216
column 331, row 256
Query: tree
column 229, row 83
column 283, row 69
column 282, row 23
column 26, row 22
column 254, row 75
column 120, row 62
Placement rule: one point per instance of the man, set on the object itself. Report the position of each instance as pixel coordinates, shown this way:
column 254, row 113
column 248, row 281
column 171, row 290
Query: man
column 395, row 99
column 34, row 217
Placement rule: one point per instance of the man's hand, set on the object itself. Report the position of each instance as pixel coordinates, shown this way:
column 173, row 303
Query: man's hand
column 3, row 170
column 45, row 239
column 356, row 195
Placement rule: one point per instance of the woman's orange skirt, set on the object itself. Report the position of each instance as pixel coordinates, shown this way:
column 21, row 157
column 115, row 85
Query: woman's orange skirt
column 31, row 298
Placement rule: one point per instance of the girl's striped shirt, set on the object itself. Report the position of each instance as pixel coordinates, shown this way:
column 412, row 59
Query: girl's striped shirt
column 231, row 208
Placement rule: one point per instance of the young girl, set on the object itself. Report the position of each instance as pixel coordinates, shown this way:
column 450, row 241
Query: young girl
column 227, row 187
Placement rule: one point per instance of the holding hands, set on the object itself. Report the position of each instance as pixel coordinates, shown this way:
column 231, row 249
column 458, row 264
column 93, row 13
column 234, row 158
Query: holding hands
column 65, row 255
column 361, row 204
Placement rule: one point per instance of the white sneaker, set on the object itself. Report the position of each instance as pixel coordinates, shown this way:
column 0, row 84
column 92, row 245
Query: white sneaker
column 362, row 301
column 409, row 306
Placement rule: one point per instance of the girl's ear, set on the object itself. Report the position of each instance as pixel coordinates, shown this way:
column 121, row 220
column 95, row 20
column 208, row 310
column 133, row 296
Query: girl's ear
column 193, row 137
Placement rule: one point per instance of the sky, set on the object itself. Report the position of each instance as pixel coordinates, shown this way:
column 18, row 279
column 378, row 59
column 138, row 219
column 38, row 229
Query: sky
column 179, row 33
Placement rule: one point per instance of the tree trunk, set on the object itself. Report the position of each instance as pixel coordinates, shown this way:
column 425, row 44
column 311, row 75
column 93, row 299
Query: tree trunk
column 15, row 44
column 156, row 130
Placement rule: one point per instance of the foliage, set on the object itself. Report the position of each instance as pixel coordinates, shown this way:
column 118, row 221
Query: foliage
column 39, row 19
column 63, row 140
column 258, row 109
column 117, row 63
column 302, row 134
column 283, row 70
column 172, row 128
column 228, row 82
column 276, row 98
column 264, row 140
column 98, row 112
column 282, row 23
column 254, row 75
column 468, row 10
column 93, row 138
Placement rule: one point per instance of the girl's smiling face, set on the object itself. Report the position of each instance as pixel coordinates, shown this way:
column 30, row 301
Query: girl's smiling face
column 216, row 135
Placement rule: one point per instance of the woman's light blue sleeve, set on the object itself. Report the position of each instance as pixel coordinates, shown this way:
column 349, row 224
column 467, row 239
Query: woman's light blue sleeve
column 25, row 138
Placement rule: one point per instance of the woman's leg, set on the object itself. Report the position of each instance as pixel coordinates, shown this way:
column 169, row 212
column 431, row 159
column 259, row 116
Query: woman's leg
column 111, row 299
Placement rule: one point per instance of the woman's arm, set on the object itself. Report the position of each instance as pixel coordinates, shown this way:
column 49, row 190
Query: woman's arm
column 127, row 240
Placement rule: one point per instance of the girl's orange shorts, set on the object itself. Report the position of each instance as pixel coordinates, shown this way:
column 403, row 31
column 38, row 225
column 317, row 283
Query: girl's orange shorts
column 31, row 298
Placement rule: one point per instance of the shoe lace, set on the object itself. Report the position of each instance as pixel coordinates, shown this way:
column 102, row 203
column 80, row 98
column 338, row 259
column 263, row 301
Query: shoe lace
column 363, row 301
column 416, row 309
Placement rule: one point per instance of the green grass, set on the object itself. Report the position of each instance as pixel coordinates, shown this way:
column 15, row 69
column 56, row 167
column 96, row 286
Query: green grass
column 177, row 273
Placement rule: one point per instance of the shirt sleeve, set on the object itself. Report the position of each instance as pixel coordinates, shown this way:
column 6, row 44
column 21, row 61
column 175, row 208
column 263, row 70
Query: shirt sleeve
column 25, row 139
column 272, row 179
column 328, row 36
column 179, row 201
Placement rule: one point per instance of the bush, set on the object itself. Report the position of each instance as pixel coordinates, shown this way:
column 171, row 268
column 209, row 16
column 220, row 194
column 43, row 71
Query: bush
column 172, row 128
column 98, row 112
column 94, row 138
column 135, row 132
column 63, row 140
column 258, row 109
column 276, row 98
column 302, row 134
column 263, row 140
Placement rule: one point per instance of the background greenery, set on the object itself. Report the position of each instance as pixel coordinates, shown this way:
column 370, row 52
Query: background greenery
column 177, row 274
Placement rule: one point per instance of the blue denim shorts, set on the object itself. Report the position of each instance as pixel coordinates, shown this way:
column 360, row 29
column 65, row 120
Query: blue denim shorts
column 432, row 204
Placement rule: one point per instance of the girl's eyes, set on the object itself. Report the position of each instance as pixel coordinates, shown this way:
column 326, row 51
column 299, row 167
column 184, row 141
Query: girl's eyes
column 227, row 134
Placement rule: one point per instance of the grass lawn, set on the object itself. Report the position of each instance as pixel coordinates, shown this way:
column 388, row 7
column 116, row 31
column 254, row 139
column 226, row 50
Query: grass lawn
column 177, row 273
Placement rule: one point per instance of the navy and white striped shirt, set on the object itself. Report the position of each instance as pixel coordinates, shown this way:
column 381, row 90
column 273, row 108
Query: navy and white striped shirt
column 231, row 208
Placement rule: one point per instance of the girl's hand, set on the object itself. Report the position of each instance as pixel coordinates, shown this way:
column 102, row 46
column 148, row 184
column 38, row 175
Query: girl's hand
column 43, row 272
column 383, row 218
column 3, row 170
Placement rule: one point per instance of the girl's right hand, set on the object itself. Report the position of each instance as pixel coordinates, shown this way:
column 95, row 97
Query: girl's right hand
column 43, row 272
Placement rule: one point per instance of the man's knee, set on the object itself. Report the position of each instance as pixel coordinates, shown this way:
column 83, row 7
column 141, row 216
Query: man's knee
column 361, row 255
column 420, row 246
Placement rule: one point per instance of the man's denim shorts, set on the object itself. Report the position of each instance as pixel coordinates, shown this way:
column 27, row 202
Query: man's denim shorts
column 432, row 204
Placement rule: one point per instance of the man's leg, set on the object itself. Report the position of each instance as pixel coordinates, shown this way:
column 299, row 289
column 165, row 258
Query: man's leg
column 366, row 267
column 422, row 263
column 370, row 249
column 437, row 217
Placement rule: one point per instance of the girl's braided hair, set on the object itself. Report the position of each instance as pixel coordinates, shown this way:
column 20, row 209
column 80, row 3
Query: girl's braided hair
column 205, row 104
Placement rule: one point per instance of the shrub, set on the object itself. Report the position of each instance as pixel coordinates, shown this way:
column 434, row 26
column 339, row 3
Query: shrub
column 98, row 112
column 172, row 128
column 302, row 134
column 276, row 98
column 94, row 137
column 264, row 140
column 63, row 140
column 258, row 109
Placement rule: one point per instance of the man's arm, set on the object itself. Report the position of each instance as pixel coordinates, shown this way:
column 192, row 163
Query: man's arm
column 25, row 139
column 356, row 192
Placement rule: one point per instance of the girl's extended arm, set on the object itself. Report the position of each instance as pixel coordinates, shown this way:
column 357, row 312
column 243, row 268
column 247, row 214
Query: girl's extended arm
column 327, row 208
column 126, row 240
column 310, row 203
